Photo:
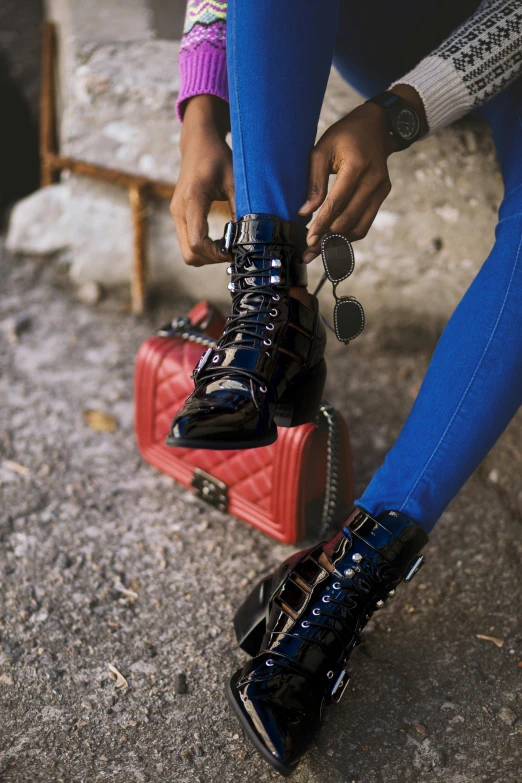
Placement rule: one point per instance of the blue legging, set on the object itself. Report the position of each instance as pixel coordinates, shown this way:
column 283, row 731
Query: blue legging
column 279, row 58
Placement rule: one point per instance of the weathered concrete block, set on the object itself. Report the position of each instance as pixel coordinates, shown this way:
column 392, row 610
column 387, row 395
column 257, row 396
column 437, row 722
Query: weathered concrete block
column 121, row 112
column 91, row 222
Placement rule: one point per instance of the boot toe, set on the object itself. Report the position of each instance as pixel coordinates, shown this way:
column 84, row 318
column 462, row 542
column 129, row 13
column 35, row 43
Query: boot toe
column 207, row 422
column 276, row 719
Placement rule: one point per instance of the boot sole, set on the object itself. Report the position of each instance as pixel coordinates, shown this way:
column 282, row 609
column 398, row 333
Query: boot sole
column 221, row 445
column 283, row 769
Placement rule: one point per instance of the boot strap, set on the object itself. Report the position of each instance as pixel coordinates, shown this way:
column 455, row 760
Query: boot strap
column 270, row 230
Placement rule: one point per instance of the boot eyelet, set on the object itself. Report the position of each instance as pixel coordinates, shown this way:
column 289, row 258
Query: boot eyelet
column 330, row 675
column 269, row 662
column 267, row 342
column 379, row 603
column 349, row 573
column 276, row 298
column 317, row 612
column 276, row 263
column 274, row 311
column 230, row 270
column 263, row 389
column 357, row 557
column 326, row 599
column 215, row 360
column 305, row 624
column 336, row 586
column 231, row 287
column 270, row 327
column 391, row 593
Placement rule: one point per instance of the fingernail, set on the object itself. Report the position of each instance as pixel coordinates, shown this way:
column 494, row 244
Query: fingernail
column 312, row 240
column 306, row 206
column 308, row 256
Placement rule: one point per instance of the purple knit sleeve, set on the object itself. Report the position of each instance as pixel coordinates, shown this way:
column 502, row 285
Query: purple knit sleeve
column 202, row 54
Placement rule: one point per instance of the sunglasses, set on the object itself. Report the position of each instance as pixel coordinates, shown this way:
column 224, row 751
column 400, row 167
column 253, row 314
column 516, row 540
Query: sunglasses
column 339, row 263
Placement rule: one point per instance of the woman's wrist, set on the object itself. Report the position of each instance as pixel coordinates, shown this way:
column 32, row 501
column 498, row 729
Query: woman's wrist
column 411, row 95
column 205, row 114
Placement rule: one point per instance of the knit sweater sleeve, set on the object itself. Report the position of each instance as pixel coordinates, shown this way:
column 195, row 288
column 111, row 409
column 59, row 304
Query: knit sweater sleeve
column 202, row 53
column 481, row 58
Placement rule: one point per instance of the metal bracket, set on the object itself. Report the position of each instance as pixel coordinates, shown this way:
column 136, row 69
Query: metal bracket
column 211, row 489
column 340, row 685
column 414, row 567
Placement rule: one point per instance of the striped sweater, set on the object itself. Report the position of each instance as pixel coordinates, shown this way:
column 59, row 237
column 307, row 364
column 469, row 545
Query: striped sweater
column 479, row 59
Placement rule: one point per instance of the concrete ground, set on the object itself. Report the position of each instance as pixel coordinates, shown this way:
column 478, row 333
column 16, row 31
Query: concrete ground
column 105, row 561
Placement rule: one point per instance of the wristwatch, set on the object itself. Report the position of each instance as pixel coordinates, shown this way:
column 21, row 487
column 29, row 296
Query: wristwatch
column 404, row 123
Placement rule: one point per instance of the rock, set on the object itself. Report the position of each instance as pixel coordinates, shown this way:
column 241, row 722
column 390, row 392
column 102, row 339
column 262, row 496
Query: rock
column 6, row 679
column 17, row 326
column 41, row 616
column 180, row 683
column 38, row 223
column 507, row 716
column 90, row 293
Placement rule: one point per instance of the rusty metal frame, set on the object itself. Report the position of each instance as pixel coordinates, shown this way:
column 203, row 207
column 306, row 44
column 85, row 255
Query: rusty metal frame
column 140, row 189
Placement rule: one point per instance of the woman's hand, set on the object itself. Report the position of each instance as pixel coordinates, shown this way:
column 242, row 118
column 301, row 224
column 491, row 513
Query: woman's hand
column 205, row 176
column 356, row 149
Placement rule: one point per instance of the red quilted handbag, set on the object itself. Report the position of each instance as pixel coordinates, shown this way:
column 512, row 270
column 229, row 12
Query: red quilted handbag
column 287, row 489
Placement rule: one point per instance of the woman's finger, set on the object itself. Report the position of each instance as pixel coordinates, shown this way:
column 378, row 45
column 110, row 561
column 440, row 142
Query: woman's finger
column 231, row 197
column 201, row 249
column 317, row 180
column 311, row 253
column 368, row 189
column 344, row 186
column 365, row 221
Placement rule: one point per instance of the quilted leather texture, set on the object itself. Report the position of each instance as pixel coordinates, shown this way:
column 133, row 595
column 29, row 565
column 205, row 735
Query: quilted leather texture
column 268, row 487
column 249, row 474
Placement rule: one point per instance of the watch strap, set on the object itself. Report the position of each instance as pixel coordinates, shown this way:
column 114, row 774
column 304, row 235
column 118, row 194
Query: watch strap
column 392, row 104
column 387, row 99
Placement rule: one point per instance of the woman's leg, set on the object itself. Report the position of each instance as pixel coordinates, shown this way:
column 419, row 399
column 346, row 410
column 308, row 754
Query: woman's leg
column 279, row 57
column 473, row 386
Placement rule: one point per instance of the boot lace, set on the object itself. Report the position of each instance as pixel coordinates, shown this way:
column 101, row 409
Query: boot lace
column 255, row 277
column 353, row 587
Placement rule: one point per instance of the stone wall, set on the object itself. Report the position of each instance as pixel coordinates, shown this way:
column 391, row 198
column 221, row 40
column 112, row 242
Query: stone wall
column 118, row 86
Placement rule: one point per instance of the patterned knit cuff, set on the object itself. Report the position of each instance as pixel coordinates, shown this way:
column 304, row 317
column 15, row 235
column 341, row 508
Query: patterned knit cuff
column 442, row 91
column 202, row 71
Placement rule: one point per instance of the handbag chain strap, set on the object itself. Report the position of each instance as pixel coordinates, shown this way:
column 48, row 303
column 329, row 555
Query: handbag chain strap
column 184, row 328
column 327, row 417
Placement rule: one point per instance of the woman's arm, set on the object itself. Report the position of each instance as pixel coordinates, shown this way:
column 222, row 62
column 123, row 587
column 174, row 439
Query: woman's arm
column 206, row 159
column 480, row 59
column 202, row 54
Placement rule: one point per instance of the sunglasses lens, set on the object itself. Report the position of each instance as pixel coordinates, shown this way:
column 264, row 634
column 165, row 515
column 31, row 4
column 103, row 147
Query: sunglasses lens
column 348, row 319
column 337, row 257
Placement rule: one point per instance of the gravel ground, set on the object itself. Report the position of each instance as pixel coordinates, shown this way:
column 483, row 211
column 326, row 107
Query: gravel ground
column 105, row 561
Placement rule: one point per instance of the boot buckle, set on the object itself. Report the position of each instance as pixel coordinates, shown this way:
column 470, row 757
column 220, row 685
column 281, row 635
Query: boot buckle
column 414, row 567
column 340, row 685
column 199, row 366
column 227, row 239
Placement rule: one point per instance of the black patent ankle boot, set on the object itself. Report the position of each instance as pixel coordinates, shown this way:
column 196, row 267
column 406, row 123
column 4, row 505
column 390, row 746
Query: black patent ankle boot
column 302, row 623
column 268, row 367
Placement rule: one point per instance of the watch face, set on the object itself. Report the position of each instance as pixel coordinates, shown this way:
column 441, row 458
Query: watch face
column 407, row 124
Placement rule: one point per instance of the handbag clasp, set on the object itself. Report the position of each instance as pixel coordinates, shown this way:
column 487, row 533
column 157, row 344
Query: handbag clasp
column 211, row 489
